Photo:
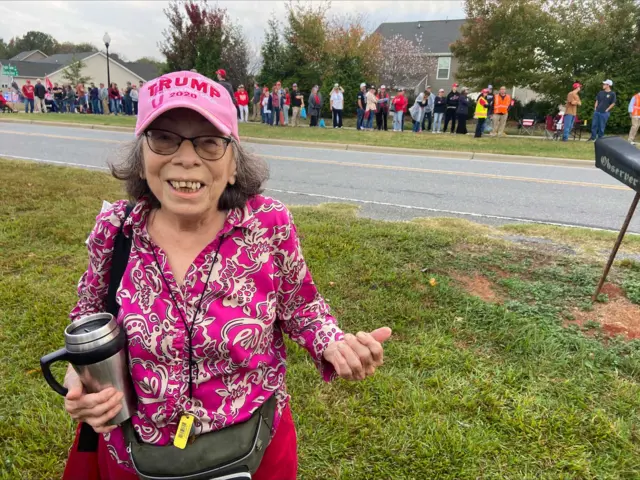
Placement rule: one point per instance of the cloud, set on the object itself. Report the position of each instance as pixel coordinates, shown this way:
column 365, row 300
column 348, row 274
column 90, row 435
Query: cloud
column 136, row 27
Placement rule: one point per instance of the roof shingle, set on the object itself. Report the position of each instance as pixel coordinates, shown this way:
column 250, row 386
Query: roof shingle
column 434, row 36
column 32, row 69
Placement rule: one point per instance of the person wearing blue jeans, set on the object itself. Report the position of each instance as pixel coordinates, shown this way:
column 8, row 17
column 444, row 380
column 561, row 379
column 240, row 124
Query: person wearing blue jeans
column 28, row 103
column 398, row 120
column 605, row 101
column 360, row 113
column 571, row 110
column 361, row 104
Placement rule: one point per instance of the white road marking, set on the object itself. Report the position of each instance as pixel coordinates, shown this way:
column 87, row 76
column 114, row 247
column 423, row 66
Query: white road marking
column 437, row 210
column 356, row 200
column 55, row 162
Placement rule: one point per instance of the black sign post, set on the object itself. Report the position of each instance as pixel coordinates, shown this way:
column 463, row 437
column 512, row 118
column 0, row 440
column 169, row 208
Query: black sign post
column 621, row 160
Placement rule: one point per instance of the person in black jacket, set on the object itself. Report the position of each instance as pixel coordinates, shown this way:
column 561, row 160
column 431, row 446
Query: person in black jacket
column 452, row 105
column 462, row 112
column 39, row 93
column 222, row 80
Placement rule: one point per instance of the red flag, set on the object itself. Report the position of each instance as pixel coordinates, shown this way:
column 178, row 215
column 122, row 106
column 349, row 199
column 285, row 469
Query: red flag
column 48, row 82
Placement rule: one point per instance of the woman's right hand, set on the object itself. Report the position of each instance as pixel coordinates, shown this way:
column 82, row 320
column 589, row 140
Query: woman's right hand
column 96, row 409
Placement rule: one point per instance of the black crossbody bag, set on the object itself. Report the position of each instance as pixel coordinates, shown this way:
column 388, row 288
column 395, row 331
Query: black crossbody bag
column 232, row 453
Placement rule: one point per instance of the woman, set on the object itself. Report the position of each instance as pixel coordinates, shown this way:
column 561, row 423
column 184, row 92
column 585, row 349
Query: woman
column 214, row 278
column 315, row 104
column 287, row 106
column 336, row 102
column 265, row 93
column 382, row 108
column 399, row 105
column 372, row 105
column 482, row 109
column 266, row 107
column 242, row 100
column 462, row 112
column 439, row 109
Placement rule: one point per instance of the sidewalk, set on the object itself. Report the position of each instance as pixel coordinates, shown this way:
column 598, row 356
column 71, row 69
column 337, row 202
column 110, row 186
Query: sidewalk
column 493, row 157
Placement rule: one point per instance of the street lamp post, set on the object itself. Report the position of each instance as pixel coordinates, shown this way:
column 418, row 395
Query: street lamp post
column 107, row 40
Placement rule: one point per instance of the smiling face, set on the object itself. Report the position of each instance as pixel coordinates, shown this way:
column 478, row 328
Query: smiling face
column 208, row 178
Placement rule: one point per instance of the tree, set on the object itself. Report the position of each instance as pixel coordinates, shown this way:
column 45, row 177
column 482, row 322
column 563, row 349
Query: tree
column 69, row 47
column 204, row 38
column 4, row 49
column 34, row 40
column 547, row 45
column 304, row 60
column 73, row 72
column 234, row 57
column 503, row 42
column 403, row 62
column 352, row 55
column 272, row 52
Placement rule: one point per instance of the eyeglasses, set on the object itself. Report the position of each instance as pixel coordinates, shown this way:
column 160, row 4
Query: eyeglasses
column 208, row 147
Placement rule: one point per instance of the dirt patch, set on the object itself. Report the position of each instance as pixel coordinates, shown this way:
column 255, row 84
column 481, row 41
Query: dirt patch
column 478, row 286
column 612, row 291
column 618, row 316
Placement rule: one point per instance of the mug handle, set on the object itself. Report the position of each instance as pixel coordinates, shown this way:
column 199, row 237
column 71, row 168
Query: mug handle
column 45, row 365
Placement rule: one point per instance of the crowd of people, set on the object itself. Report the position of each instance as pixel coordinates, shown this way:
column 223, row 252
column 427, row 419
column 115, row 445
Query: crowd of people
column 279, row 106
column 92, row 99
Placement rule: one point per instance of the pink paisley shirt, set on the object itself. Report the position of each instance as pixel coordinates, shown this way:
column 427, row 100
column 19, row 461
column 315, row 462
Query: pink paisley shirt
column 260, row 287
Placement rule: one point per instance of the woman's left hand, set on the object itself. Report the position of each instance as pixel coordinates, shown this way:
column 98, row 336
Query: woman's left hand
column 357, row 356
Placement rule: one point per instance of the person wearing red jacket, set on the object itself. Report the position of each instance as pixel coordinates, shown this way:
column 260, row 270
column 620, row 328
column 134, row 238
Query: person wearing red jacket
column 28, row 91
column 242, row 100
column 400, row 103
column 114, row 99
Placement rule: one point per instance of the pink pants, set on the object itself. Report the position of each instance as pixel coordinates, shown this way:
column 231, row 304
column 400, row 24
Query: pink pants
column 280, row 461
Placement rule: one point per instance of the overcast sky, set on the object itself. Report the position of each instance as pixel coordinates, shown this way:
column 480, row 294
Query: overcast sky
column 136, row 27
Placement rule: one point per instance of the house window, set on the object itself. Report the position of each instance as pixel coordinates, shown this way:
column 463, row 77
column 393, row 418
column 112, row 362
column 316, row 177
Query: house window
column 444, row 68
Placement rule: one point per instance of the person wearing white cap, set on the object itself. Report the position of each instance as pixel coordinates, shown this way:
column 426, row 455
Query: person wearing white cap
column 361, row 103
column 605, row 101
column 336, row 103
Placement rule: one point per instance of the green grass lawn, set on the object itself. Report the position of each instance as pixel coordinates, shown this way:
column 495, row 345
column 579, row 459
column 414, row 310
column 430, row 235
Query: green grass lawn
column 508, row 146
column 469, row 389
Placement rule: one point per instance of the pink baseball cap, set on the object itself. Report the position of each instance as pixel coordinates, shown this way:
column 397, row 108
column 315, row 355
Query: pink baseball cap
column 187, row 90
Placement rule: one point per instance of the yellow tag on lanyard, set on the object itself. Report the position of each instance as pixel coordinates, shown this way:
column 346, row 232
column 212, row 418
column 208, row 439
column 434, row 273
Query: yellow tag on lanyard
column 184, row 430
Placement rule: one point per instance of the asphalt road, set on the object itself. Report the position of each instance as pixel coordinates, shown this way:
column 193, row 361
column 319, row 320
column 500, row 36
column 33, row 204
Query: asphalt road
column 394, row 187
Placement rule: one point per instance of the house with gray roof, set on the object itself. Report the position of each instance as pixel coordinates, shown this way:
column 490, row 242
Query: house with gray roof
column 434, row 37
column 36, row 65
column 31, row 55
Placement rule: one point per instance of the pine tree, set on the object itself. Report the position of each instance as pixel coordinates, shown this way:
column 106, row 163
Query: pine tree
column 272, row 52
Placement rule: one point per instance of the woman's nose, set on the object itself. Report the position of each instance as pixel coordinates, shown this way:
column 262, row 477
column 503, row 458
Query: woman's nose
column 186, row 155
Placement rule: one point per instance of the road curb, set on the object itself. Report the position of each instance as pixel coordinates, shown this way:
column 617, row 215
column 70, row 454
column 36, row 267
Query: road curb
column 89, row 126
column 488, row 157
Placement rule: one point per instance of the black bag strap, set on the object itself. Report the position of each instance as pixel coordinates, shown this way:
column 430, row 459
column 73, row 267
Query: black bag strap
column 87, row 437
column 119, row 259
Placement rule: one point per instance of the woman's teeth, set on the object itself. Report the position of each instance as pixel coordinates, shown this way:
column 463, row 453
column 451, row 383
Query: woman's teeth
column 185, row 186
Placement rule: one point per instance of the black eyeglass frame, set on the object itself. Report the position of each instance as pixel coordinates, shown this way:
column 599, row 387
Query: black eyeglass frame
column 193, row 140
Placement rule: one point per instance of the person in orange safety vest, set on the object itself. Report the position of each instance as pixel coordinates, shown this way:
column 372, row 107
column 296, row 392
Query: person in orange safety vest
column 501, row 105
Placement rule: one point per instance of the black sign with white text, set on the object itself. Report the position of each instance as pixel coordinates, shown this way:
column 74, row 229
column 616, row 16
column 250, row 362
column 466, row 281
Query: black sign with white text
column 620, row 159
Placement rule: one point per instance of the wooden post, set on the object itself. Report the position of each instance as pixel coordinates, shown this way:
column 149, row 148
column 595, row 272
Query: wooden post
column 614, row 252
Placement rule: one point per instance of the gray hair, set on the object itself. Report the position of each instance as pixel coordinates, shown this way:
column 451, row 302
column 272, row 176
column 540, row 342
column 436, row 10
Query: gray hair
column 251, row 174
